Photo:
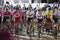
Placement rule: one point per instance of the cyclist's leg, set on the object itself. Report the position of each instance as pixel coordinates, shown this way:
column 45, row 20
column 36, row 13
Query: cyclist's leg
column 16, row 29
column 8, row 23
column 39, row 30
column 33, row 27
column 56, row 27
column 55, row 30
column 49, row 25
column 56, row 21
column 20, row 28
column 27, row 29
column 39, row 27
column 28, row 24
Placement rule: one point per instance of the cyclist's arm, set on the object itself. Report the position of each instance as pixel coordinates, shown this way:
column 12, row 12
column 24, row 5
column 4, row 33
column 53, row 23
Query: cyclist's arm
column 51, row 17
column 33, row 14
column 36, row 16
column 26, row 15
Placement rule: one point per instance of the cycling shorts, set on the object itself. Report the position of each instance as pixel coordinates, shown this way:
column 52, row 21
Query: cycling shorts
column 5, row 17
column 29, row 20
column 55, row 18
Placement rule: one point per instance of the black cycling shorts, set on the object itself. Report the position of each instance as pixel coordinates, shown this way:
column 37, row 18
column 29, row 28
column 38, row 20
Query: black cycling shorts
column 40, row 20
column 5, row 17
column 29, row 20
column 55, row 18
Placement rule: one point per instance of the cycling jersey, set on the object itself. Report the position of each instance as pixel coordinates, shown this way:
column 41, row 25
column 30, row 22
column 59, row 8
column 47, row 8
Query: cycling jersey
column 6, row 15
column 49, row 15
column 30, row 14
column 16, row 17
column 45, row 13
column 39, row 16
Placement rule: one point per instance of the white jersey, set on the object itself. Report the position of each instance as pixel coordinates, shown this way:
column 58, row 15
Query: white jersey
column 39, row 16
column 12, row 11
column 30, row 14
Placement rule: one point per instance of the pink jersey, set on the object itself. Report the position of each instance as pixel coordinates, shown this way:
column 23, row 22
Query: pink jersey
column 21, row 13
column 16, row 17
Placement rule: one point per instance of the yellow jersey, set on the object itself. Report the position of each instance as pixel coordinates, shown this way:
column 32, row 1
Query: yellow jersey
column 49, row 14
column 45, row 13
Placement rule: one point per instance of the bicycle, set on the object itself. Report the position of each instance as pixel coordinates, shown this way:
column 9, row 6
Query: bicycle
column 32, row 27
column 17, row 27
column 39, row 29
column 29, row 29
column 54, row 31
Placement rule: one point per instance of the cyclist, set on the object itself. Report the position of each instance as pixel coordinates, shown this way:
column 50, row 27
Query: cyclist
column 49, row 15
column 6, row 15
column 7, row 18
column 55, row 16
column 49, row 20
column 39, row 17
column 29, row 17
column 55, row 19
column 16, row 18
